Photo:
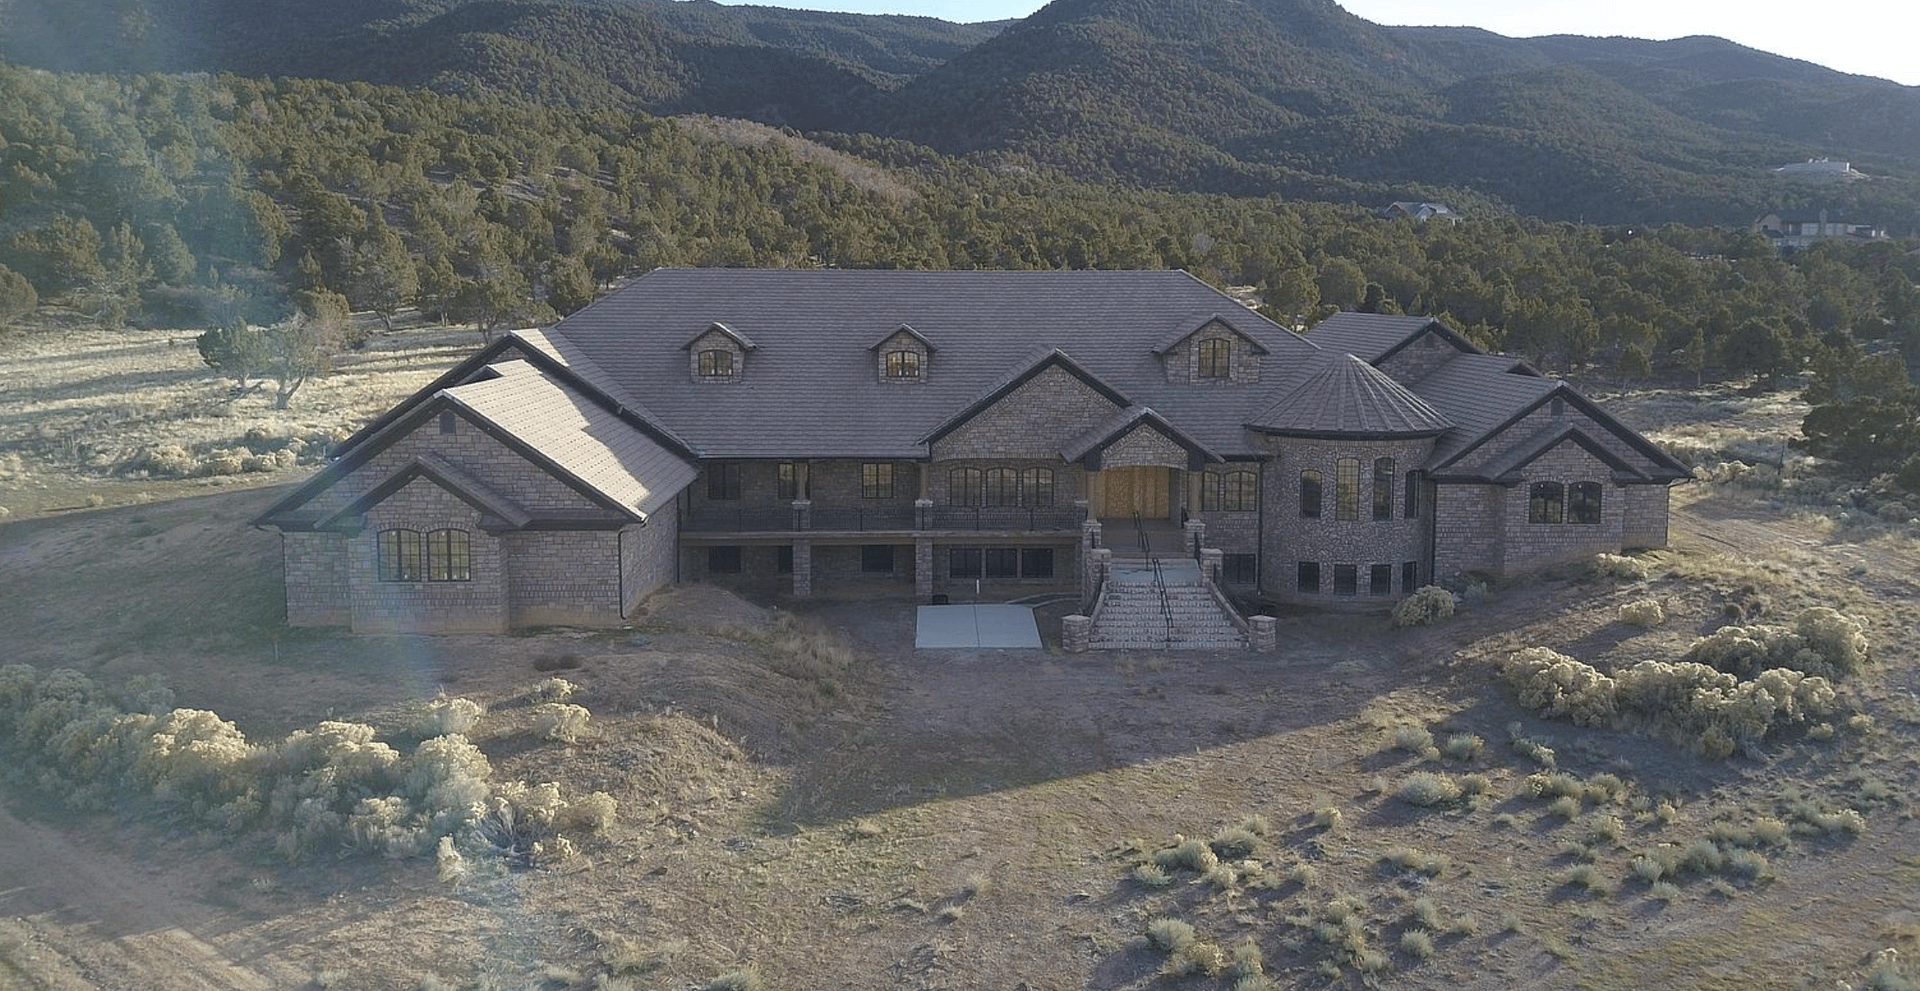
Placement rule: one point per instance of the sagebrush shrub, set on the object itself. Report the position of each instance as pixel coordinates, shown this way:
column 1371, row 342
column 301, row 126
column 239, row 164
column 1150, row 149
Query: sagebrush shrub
column 1412, row 739
column 560, row 722
column 555, row 689
column 1463, row 746
column 443, row 715
column 1426, row 789
column 1821, row 642
column 1169, row 934
column 1191, row 855
column 1234, row 843
column 1554, row 684
column 1428, row 604
column 1620, row 567
column 1643, row 612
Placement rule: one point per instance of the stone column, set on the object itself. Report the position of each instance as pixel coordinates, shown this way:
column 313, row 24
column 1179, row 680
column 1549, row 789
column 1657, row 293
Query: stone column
column 803, row 514
column 1097, row 565
column 923, row 568
column 1076, row 634
column 1090, row 535
column 1264, row 632
column 923, row 513
column 1196, row 536
column 1210, row 560
column 802, row 569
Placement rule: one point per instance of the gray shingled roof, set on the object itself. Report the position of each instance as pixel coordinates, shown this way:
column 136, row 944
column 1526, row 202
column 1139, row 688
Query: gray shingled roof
column 1367, row 335
column 811, row 388
column 612, row 458
column 1350, row 398
column 1122, row 422
column 1478, row 392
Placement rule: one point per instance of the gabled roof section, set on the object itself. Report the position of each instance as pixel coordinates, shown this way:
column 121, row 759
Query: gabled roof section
column 555, row 358
column 1350, row 398
column 746, row 343
column 1506, row 467
column 1483, row 392
column 908, row 330
column 1123, row 422
column 587, row 444
column 1167, row 346
column 1373, row 337
column 1020, row 374
column 437, row 470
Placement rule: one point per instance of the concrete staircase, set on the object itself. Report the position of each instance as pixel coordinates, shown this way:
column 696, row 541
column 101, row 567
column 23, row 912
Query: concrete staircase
column 1132, row 616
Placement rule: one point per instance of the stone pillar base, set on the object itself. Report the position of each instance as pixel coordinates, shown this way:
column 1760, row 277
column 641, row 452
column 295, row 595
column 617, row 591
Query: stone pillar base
column 923, row 569
column 1264, row 632
column 1210, row 560
column 803, row 569
column 1076, row 634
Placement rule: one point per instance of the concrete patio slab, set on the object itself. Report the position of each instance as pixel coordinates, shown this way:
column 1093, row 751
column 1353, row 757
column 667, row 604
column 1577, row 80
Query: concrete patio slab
column 969, row 627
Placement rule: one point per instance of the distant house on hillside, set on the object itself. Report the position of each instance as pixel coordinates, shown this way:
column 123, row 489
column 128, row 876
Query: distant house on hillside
column 1420, row 213
column 1800, row 228
column 949, row 431
column 1821, row 169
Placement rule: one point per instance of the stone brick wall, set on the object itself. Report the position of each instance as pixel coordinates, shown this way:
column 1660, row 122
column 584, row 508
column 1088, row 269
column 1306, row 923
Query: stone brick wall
column 1363, row 541
column 1534, row 545
column 1468, row 524
column 1031, row 422
column 563, row 577
column 1235, row 532
column 1143, row 447
column 648, row 557
column 1418, row 359
column 316, row 569
column 1646, row 511
column 1183, row 362
column 836, row 485
column 478, row 605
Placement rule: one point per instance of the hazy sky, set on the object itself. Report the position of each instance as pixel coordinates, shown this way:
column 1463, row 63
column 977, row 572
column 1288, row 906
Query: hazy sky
column 1873, row 38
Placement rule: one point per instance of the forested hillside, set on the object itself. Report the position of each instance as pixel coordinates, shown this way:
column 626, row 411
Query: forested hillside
column 182, row 199
column 1244, row 97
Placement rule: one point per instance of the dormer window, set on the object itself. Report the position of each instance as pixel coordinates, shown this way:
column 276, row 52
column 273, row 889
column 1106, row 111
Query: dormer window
column 902, row 356
column 903, row 364
column 716, row 364
column 1216, row 359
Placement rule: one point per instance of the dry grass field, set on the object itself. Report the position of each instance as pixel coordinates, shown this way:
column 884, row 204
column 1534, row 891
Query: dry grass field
column 804, row 804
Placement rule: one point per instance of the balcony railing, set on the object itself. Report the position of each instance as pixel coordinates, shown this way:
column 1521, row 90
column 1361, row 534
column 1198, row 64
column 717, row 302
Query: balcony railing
column 861, row 519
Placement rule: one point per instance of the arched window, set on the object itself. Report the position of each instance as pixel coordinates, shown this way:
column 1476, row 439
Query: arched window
column 1583, row 502
column 963, row 487
column 1216, row 359
column 716, row 363
column 1002, row 487
column 1383, row 488
column 449, row 556
column 1310, row 495
column 1239, row 491
column 1346, row 492
column 400, row 555
column 1036, row 487
column 1546, row 503
column 903, row 364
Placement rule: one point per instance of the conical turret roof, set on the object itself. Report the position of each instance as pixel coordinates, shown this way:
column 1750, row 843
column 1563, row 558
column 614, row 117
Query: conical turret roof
column 1350, row 398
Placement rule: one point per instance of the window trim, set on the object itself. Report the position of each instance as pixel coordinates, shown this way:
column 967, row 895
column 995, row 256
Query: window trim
column 1346, row 489
column 1036, row 488
column 401, row 555
column 964, row 485
column 448, row 559
column 724, row 482
column 1313, row 490
column 1380, row 579
column 1413, row 495
column 876, row 479
column 786, row 481
column 715, row 363
column 1585, row 505
column 1384, row 475
column 1000, row 488
column 1346, row 580
column 902, row 365
column 1306, row 577
column 1213, row 359
column 1547, row 503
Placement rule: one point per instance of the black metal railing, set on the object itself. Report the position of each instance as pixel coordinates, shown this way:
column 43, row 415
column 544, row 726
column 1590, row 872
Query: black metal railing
column 712, row 519
column 1166, row 602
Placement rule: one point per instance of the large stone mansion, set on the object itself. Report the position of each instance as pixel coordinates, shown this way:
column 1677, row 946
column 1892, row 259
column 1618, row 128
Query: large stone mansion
column 952, row 430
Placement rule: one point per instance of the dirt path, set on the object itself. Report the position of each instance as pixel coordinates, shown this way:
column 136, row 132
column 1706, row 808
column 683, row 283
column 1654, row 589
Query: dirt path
column 79, row 913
